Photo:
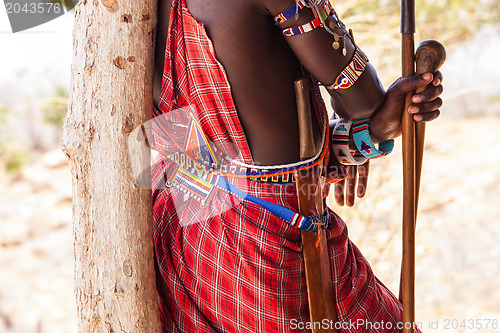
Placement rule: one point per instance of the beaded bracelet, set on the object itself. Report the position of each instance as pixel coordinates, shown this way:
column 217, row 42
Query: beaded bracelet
column 361, row 135
column 340, row 145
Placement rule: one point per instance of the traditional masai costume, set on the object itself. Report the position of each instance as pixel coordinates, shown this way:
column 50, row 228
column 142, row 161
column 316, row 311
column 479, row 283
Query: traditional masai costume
column 228, row 259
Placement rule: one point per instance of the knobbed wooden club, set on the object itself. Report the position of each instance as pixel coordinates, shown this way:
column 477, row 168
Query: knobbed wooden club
column 430, row 56
column 321, row 294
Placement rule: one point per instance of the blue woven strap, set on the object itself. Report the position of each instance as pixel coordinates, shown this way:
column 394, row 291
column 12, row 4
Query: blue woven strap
column 308, row 223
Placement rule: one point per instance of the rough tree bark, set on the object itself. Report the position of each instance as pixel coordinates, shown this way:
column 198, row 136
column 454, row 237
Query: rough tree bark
column 111, row 94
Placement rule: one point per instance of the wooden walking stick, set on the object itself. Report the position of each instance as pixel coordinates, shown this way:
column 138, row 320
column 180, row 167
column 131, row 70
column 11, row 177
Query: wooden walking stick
column 409, row 217
column 321, row 294
column 413, row 139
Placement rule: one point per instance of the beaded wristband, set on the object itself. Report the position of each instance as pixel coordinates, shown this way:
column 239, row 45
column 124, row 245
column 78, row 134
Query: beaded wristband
column 340, row 145
column 361, row 135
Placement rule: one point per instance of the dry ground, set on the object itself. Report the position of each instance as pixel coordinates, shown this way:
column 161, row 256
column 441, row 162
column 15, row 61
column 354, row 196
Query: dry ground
column 457, row 254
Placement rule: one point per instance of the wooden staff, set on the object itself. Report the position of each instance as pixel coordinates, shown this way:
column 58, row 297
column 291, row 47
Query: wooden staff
column 413, row 140
column 321, row 294
column 409, row 149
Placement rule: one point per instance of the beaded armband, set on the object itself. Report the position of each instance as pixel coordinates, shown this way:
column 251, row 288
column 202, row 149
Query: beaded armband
column 293, row 11
column 352, row 72
column 361, row 136
column 340, row 145
column 322, row 10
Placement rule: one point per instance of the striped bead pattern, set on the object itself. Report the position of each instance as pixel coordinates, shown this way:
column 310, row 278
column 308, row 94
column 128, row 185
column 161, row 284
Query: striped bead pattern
column 352, row 72
column 340, row 145
column 361, row 135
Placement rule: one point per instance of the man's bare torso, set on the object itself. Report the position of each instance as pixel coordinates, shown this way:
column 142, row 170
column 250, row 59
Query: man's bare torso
column 261, row 69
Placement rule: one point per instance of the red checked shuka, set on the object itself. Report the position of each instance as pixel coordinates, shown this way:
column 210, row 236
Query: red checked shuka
column 227, row 264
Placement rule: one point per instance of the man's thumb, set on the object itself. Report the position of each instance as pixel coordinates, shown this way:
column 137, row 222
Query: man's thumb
column 412, row 83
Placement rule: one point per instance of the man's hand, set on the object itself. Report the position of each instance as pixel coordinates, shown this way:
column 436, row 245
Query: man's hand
column 346, row 189
column 386, row 123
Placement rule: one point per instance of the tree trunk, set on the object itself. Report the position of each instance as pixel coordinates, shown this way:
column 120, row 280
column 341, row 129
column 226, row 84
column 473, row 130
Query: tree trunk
column 111, row 94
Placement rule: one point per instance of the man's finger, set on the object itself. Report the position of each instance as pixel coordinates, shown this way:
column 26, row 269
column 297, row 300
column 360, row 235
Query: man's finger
column 425, row 117
column 339, row 192
column 412, row 83
column 426, row 107
column 438, row 78
column 351, row 185
column 431, row 93
column 363, row 171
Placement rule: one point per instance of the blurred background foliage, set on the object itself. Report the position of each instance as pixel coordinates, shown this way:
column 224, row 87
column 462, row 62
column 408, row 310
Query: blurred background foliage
column 13, row 157
column 55, row 108
column 3, row 115
column 16, row 153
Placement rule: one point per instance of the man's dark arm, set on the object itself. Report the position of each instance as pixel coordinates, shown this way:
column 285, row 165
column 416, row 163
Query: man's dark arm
column 314, row 50
column 366, row 97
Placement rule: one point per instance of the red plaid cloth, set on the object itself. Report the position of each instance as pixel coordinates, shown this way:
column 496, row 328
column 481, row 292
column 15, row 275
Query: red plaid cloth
column 242, row 269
